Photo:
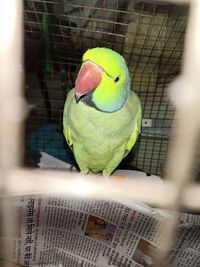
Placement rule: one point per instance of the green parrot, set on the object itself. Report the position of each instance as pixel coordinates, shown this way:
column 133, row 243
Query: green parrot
column 102, row 116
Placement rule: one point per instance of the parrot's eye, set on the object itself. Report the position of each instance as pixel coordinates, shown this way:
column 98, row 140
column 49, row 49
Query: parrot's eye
column 116, row 79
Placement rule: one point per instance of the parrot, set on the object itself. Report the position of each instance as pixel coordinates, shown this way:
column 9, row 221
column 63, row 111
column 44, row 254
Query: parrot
column 102, row 115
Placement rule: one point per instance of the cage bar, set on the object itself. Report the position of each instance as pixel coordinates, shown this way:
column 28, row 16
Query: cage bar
column 12, row 103
column 19, row 181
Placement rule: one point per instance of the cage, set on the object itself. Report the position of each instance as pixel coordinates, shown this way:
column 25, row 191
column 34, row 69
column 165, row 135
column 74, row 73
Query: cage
column 150, row 35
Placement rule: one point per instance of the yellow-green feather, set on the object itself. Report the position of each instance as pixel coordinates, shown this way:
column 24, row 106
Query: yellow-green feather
column 100, row 140
column 108, row 59
column 109, row 96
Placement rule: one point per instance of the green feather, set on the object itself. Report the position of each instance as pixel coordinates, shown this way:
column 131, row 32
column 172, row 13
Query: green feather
column 108, row 59
column 110, row 95
column 100, row 139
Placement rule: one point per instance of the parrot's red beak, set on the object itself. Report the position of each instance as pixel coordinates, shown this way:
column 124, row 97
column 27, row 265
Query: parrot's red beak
column 88, row 79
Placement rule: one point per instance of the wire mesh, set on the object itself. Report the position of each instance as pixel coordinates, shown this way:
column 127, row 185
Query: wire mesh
column 150, row 36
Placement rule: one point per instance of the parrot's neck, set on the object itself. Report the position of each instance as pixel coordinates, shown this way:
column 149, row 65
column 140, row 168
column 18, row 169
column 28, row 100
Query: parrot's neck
column 109, row 108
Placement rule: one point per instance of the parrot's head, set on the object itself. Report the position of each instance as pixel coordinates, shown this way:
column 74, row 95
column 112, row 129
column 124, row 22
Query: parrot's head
column 103, row 80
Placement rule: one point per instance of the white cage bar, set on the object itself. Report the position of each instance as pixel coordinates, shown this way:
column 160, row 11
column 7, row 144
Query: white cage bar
column 18, row 181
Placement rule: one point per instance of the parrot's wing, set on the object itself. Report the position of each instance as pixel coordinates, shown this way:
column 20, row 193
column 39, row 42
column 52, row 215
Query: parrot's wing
column 137, row 126
column 66, row 128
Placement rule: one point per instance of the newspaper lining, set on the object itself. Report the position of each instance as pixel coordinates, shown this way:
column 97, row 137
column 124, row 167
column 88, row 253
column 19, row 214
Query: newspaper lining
column 60, row 231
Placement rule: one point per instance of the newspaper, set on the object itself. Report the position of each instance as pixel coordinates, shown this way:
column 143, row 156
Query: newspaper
column 51, row 230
